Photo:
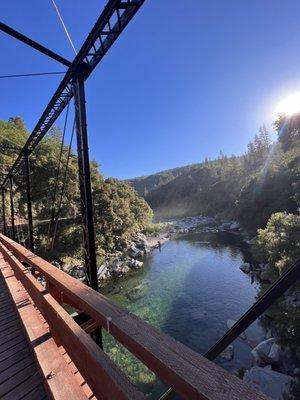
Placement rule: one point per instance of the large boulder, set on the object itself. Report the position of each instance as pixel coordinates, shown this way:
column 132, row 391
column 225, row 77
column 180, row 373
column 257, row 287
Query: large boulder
column 272, row 383
column 267, row 352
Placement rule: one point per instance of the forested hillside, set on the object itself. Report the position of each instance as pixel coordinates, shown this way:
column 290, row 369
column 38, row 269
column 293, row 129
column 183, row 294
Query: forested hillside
column 248, row 188
column 119, row 212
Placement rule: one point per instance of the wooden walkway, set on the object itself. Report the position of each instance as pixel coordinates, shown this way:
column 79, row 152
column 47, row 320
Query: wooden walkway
column 61, row 355
column 19, row 376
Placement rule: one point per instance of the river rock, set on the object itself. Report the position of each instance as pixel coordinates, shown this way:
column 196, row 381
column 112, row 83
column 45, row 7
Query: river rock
column 296, row 372
column 246, row 268
column 268, row 334
column 272, row 383
column 267, row 352
column 234, row 226
column 228, row 353
column 102, row 270
column 135, row 264
column 78, row 271
column 266, row 275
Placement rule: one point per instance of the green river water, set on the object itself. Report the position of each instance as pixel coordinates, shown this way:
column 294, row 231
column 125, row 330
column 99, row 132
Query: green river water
column 188, row 290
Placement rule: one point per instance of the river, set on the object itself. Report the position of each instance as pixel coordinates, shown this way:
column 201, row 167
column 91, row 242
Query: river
column 189, row 290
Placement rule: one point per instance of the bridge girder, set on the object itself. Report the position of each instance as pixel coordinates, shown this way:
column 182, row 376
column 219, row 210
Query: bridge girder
column 113, row 20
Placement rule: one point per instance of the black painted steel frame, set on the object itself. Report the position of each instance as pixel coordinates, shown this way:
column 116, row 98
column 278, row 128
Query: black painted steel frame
column 112, row 21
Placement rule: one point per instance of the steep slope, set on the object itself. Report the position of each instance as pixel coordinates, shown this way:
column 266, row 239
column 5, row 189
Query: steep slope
column 146, row 184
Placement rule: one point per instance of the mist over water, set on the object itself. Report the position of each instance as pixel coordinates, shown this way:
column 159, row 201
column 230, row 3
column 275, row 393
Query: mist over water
column 188, row 290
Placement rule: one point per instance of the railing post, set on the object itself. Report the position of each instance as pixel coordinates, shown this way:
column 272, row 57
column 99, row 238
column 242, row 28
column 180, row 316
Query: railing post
column 29, row 204
column 86, row 190
column 12, row 211
column 3, row 211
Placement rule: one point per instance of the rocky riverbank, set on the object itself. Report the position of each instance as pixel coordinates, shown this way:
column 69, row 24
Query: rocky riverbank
column 128, row 258
column 274, row 368
column 130, row 254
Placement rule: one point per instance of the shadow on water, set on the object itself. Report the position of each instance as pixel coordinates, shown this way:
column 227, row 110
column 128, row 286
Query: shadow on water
column 189, row 290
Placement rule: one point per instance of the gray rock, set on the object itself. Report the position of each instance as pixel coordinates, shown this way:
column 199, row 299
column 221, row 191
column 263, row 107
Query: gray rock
column 135, row 264
column 296, row 372
column 234, row 226
column 268, row 334
column 265, row 276
column 272, row 383
column 275, row 354
column 246, row 268
column 267, row 352
column 101, row 271
column 228, row 353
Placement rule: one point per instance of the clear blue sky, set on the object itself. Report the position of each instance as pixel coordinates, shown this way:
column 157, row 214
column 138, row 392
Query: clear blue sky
column 184, row 81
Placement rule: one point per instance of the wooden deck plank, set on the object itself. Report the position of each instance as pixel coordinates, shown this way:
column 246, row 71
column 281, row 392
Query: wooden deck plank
column 35, row 394
column 18, row 373
column 15, row 358
column 12, row 342
column 63, row 384
column 16, row 368
column 19, row 378
column 9, row 331
column 14, row 350
column 24, row 388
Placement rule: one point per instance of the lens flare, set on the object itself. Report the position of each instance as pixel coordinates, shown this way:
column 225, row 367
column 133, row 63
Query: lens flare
column 289, row 106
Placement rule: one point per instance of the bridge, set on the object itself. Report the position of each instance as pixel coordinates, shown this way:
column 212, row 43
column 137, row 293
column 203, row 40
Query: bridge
column 67, row 359
column 45, row 353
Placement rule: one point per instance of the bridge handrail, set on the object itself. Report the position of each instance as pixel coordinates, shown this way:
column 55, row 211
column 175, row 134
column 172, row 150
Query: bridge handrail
column 188, row 373
column 102, row 375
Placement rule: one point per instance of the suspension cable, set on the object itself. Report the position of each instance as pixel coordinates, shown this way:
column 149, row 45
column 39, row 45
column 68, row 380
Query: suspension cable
column 32, row 74
column 64, row 26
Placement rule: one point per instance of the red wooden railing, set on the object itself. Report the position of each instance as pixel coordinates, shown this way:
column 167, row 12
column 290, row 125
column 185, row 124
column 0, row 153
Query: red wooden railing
column 188, row 373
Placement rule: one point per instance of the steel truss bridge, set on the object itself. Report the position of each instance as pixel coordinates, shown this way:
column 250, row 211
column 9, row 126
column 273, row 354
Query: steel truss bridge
column 44, row 352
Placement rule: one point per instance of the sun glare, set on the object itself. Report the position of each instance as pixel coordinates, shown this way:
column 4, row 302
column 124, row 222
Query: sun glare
column 289, row 106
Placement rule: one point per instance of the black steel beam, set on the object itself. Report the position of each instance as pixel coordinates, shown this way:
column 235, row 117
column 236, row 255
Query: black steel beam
column 12, row 211
column 86, row 192
column 85, row 182
column 112, row 21
column 42, row 49
column 3, row 211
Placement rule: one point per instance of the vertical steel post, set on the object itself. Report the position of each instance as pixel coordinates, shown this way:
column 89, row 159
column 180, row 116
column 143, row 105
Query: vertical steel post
column 3, row 211
column 29, row 204
column 86, row 191
column 85, row 181
column 12, row 211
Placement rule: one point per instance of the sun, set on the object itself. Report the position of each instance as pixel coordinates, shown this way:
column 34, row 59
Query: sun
column 289, row 105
